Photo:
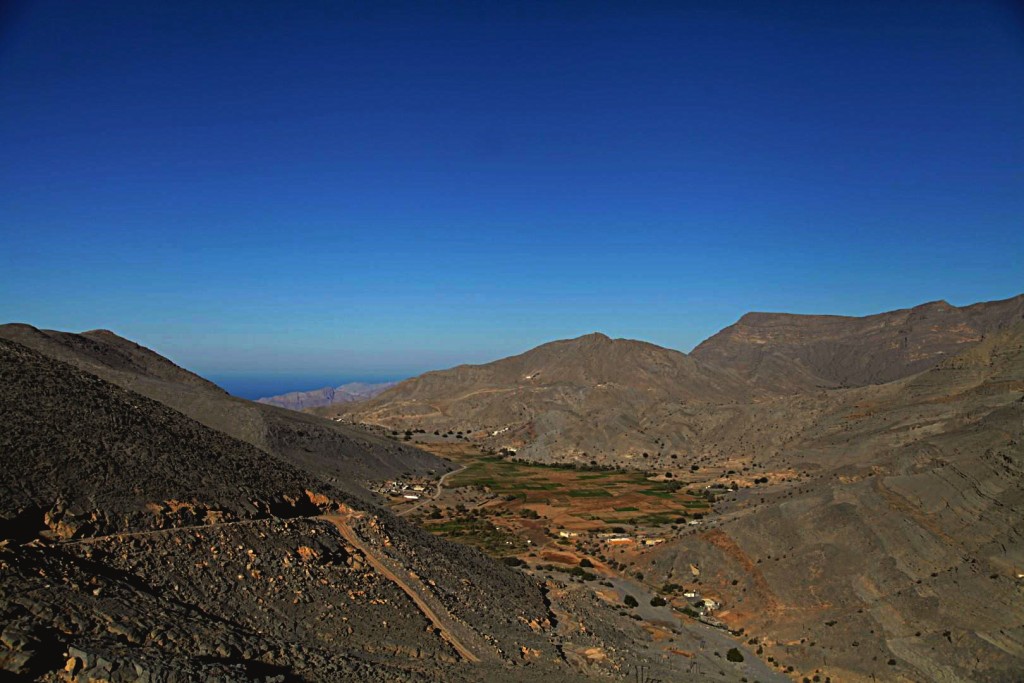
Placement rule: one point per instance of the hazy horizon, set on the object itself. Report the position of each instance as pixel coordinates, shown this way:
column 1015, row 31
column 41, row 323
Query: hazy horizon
column 258, row 190
column 254, row 386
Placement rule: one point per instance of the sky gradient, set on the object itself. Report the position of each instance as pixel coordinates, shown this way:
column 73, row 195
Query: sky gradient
column 360, row 191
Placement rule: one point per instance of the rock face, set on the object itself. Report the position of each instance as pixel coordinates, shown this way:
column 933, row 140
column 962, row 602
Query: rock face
column 595, row 398
column 792, row 353
column 152, row 527
column 328, row 396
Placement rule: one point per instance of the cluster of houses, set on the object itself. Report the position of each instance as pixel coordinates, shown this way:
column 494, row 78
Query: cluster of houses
column 614, row 539
column 408, row 490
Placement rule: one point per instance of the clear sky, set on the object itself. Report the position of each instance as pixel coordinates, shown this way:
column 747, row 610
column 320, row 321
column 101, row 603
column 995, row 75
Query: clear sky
column 372, row 190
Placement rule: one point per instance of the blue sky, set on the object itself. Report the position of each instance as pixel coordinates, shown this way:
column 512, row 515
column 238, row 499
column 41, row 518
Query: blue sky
column 372, row 190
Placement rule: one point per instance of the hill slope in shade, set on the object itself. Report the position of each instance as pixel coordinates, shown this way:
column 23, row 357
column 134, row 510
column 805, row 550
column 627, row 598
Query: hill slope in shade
column 328, row 396
column 792, row 353
column 157, row 467
column 340, row 454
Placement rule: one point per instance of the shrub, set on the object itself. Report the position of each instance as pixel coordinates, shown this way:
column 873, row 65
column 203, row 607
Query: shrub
column 658, row 601
column 630, row 601
column 734, row 655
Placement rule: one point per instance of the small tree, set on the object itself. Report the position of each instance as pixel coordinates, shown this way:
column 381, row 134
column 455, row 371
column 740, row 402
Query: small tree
column 734, row 655
column 630, row 601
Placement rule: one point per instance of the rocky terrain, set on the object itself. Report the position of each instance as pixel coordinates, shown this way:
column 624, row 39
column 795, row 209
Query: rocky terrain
column 862, row 519
column 136, row 543
column 567, row 399
column 886, row 538
column 612, row 401
column 139, row 543
column 327, row 396
column 792, row 353
column 338, row 453
column 876, row 467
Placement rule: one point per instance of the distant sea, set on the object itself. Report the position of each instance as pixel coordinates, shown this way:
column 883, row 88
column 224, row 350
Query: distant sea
column 261, row 386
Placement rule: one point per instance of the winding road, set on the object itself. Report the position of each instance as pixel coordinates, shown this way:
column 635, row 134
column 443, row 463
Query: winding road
column 437, row 493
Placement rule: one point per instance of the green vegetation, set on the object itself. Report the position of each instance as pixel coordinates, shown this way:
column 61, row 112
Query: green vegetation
column 734, row 655
column 630, row 601
column 480, row 533
column 590, row 493
column 583, row 574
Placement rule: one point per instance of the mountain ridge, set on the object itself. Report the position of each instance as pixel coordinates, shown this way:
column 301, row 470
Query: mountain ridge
column 349, row 392
column 790, row 353
column 342, row 454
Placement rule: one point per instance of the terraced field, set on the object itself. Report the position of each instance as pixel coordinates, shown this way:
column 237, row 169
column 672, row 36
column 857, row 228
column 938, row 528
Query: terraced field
column 508, row 508
column 565, row 493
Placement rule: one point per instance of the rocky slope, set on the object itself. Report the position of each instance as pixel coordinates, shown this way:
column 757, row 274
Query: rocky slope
column 594, row 399
column 886, row 540
column 874, row 533
column 340, row 454
column 328, row 396
column 138, row 544
column 791, row 353
column 566, row 399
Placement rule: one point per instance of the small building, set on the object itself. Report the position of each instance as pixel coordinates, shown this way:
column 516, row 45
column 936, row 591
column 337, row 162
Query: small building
column 411, row 496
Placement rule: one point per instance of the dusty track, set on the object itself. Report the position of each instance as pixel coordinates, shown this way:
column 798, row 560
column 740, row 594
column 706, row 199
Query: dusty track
column 445, row 625
column 169, row 530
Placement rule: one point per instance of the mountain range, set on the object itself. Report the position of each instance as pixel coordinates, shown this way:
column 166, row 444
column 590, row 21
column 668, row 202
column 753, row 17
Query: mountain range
column 876, row 467
column 612, row 400
column 138, row 542
column 327, row 396
column 867, row 477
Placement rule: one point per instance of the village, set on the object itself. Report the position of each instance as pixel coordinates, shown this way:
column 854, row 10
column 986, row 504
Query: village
column 561, row 523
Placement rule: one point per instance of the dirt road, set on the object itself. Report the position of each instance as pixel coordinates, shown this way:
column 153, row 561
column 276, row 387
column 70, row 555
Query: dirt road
column 443, row 621
column 435, row 496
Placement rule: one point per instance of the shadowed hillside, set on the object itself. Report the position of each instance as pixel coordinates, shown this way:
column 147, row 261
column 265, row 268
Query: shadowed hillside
column 341, row 455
